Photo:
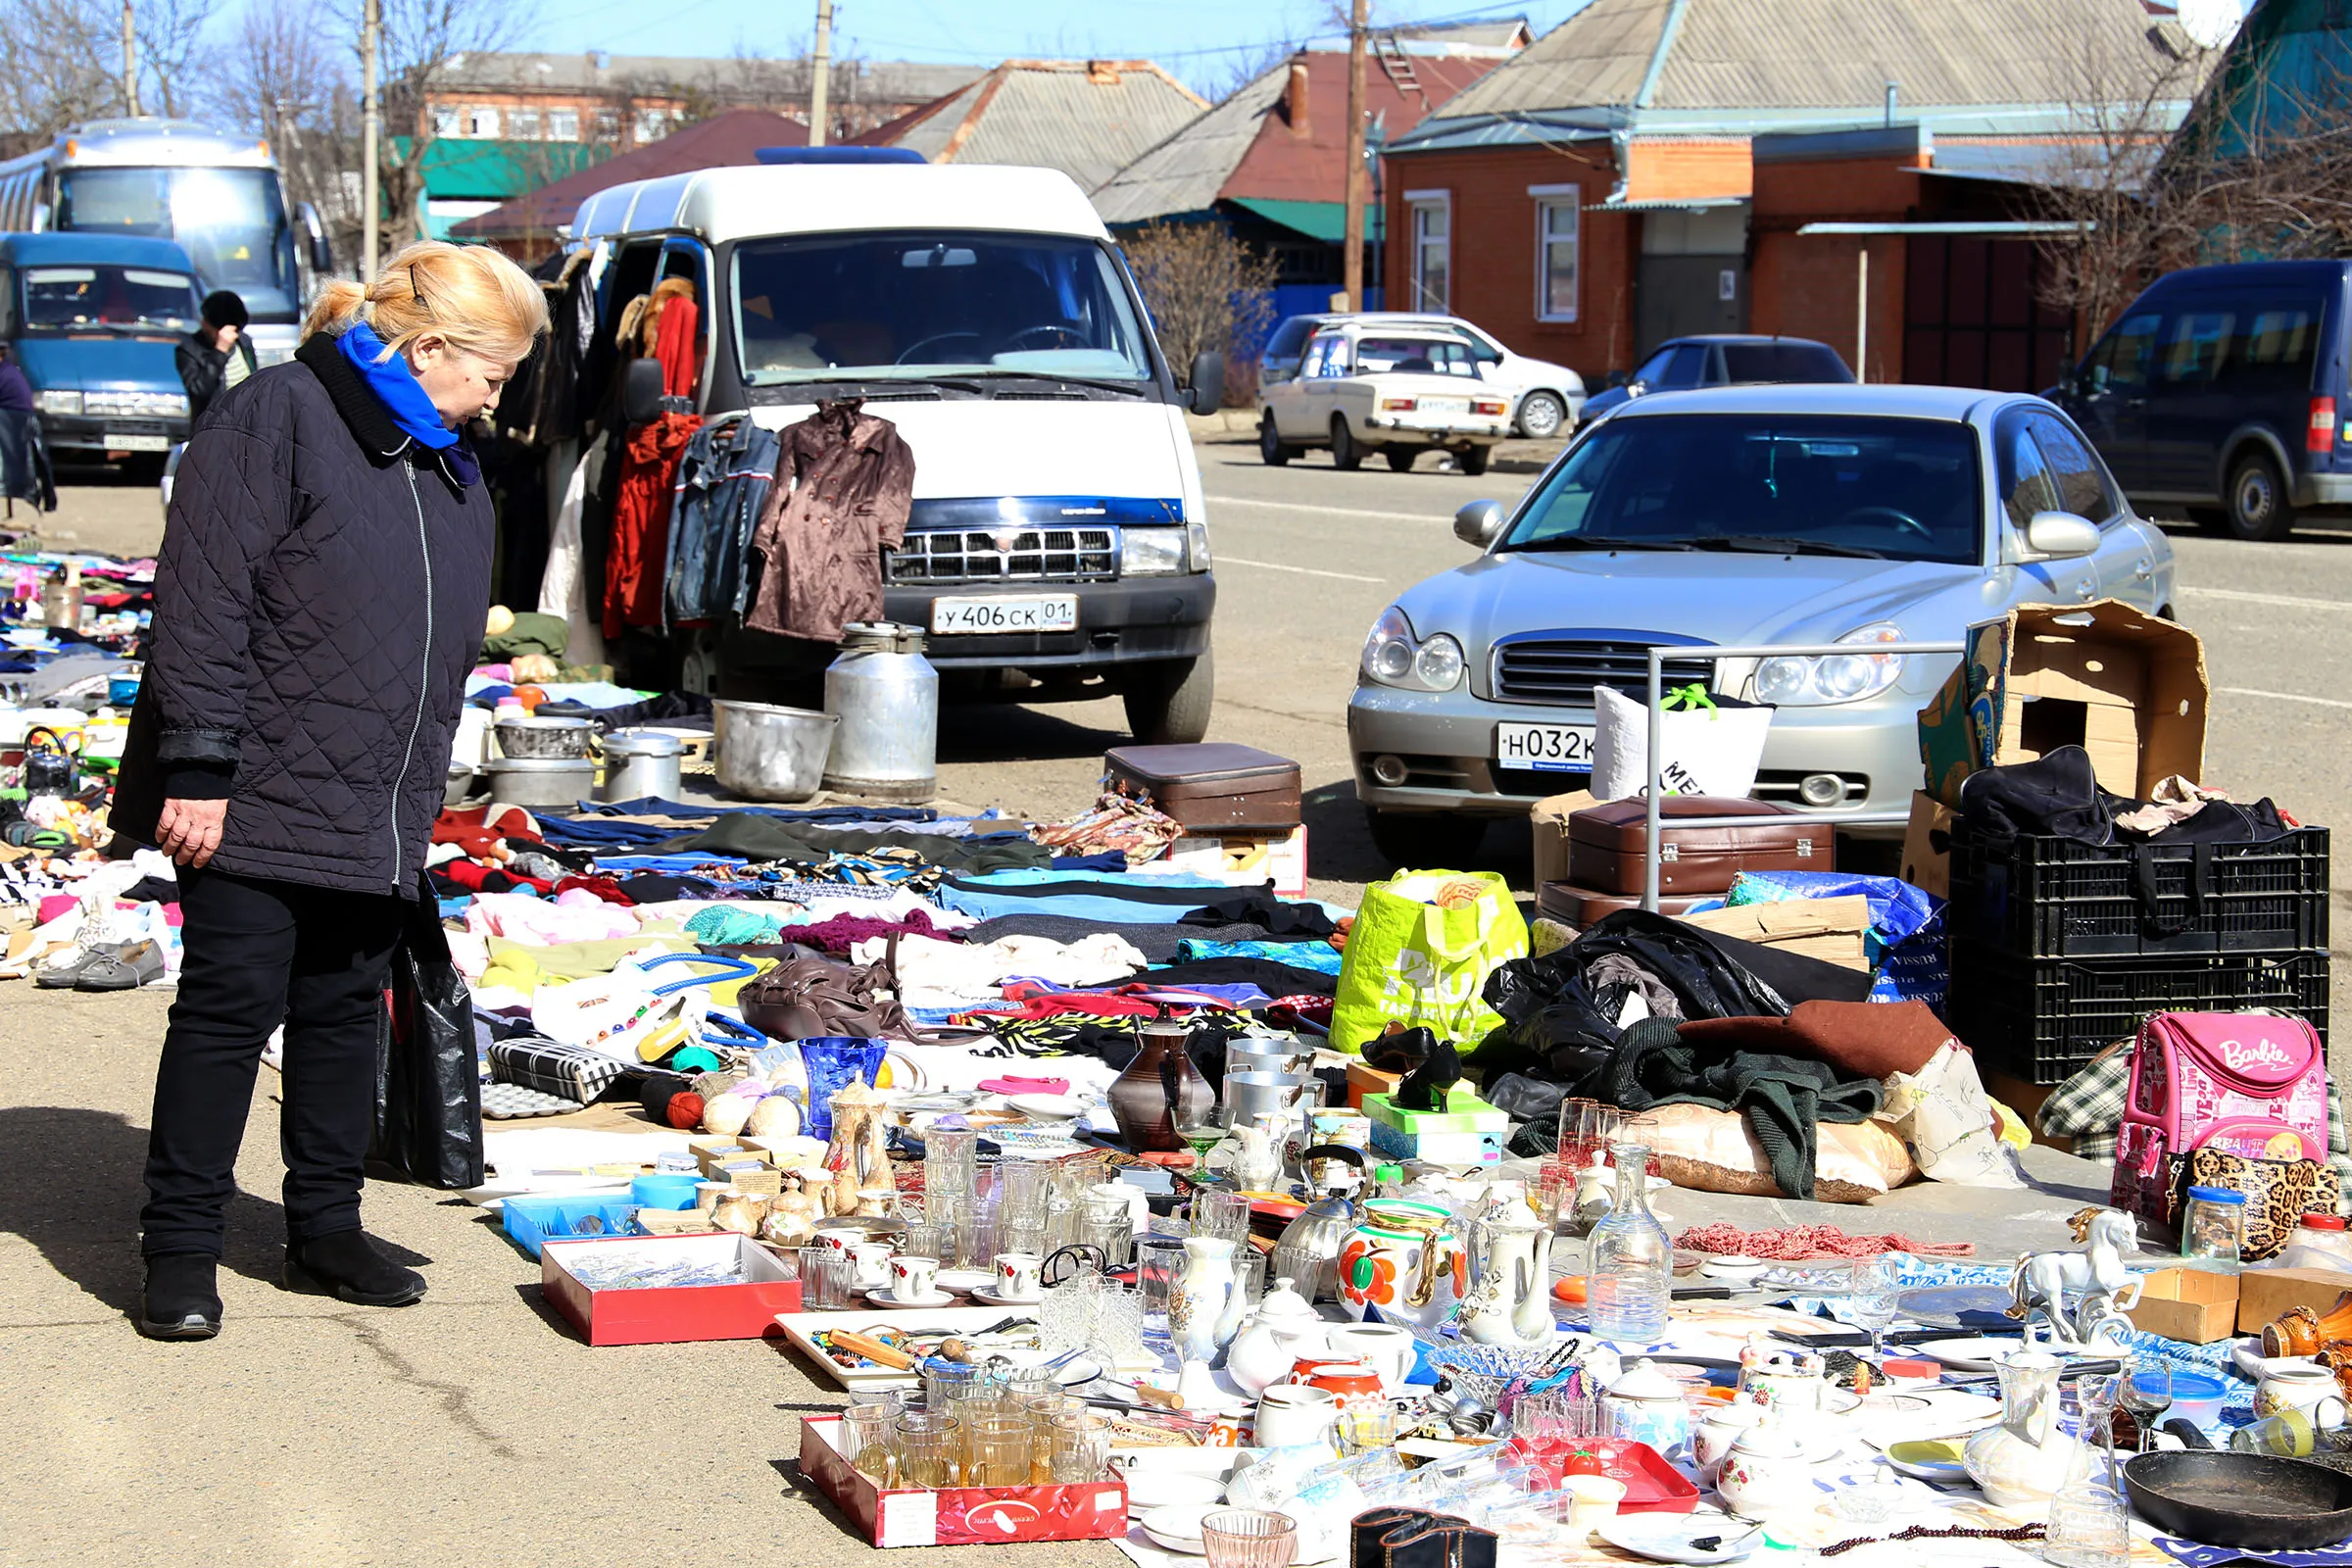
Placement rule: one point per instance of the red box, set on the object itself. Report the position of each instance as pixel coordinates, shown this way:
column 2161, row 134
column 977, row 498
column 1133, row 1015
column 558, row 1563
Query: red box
column 658, row 1316
column 958, row 1516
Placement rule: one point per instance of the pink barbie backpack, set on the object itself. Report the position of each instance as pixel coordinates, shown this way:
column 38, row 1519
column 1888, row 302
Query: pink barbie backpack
column 2241, row 1088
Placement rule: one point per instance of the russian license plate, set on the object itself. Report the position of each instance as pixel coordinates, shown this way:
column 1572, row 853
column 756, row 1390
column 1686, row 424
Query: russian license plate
column 1546, row 748
column 1442, row 404
column 1039, row 612
column 116, row 441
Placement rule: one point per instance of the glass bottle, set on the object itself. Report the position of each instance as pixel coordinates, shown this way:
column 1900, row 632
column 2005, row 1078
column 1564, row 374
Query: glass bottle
column 1631, row 1270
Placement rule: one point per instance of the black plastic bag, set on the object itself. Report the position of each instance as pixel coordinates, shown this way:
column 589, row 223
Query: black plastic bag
column 429, row 1088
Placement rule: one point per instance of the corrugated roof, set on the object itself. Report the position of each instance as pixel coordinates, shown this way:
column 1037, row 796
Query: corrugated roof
column 1748, row 56
column 1323, row 220
column 1184, row 173
column 733, row 137
column 894, row 81
column 464, row 168
column 1084, row 117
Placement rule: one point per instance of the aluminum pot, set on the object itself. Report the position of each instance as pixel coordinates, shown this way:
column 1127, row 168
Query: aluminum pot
column 533, row 736
column 767, row 753
column 540, row 780
column 1288, row 1057
column 640, row 762
column 1250, row 1094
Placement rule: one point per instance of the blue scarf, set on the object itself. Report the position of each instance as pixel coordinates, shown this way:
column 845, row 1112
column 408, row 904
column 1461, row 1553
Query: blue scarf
column 395, row 386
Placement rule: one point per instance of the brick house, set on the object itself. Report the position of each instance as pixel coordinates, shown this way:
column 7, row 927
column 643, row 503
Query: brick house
column 1651, row 168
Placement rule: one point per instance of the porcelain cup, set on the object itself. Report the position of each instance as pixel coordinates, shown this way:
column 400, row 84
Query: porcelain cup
column 1018, row 1275
column 1388, row 1348
column 915, row 1279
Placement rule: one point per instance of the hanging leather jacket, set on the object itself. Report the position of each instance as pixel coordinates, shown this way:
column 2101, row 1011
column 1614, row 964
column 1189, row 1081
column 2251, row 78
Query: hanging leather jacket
column 845, row 483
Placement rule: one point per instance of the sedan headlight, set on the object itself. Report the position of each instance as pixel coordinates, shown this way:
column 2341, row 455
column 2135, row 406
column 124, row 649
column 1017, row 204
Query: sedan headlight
column 1150, row 552
column 1834, row 678
column 1394, row 656
column 58, row 401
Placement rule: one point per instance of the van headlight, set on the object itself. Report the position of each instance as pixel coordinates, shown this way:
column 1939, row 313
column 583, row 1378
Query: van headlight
column 1195, row 546
column 1394, row 656
column 58, row 401
column 1150, row 552
column 1835, row 677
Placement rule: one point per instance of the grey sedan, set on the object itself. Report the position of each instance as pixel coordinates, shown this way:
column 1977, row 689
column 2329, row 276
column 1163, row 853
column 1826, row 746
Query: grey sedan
column 1793, row 514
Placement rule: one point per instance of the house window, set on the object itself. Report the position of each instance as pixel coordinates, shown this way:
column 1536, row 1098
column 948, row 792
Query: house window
column 653, row 123
column 523, row 124
column 562, row 125
column 607, row 124
column 478, row 123
column 447, row 122
column 1560, row 218
column 1433, row 250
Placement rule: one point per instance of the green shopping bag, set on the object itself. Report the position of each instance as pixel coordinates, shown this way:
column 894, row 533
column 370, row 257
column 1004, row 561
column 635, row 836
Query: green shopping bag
column 1413, row 964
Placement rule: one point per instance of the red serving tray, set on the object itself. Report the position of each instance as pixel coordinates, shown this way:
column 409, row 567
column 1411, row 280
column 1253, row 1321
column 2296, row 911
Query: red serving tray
column 1651, row 1484
column 958, row 1516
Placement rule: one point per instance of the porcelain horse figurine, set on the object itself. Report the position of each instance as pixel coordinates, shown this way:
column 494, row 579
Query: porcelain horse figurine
column 2041, row 1281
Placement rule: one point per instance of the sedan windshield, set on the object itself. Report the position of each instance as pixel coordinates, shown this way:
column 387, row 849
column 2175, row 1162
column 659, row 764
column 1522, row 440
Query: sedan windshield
column 1901, row 489
column 58, row 298
column 919, row 306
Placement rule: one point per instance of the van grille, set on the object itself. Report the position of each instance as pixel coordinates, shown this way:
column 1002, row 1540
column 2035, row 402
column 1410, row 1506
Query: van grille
column 1563, row 671
column 1030, row 555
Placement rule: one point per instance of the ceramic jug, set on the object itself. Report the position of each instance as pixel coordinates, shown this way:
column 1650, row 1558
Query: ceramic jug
column 1258, row 1355
column 1160, row 1092
column 1403, row 1259
column 1509, row 1301
column 1204, row 1308
column 2021, row 1462
column 1712, row 1438
column 1793, row 1382
column 1766, row 1472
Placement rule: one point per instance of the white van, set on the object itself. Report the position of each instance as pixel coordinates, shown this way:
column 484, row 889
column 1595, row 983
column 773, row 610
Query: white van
column 1058, row 545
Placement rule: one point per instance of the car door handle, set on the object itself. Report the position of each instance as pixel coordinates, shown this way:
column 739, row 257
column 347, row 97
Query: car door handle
column 2144, row 568
column 2084, row 587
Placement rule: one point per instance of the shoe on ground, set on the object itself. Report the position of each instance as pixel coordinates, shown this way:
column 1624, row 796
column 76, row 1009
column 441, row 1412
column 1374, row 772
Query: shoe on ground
column 347, row 1266
column 65, row 971
column 125, row 969
column 181, row 1301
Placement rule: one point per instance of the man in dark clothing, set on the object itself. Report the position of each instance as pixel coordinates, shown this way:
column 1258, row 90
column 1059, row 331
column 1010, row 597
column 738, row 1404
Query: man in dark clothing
column 217, row 355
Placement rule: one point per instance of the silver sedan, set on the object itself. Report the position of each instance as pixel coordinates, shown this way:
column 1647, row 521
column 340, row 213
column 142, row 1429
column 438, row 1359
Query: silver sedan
column 1771, row 514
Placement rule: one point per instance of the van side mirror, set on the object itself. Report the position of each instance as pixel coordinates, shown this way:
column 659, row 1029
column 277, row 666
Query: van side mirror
column 1479, row 522
column 2061, row 536
column 321, row 254
column 1205, row 393
column 641, row 391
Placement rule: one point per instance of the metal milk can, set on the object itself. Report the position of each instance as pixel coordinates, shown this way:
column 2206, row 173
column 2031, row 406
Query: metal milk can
column 886, row 695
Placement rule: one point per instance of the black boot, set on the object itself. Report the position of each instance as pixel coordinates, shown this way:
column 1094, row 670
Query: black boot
column 180, row 1302
column 348, row 1266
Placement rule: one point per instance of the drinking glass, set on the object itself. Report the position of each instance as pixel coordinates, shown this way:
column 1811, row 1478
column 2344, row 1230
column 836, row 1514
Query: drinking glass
column 1159, row 1261
column 977, row 1238
column 996, row 1450
column 1871, row 1300
column 1224, row 1215
column 1577, row 1146
column 1081, row 1446
column 1023, row 1384
column 825, row 1279
column 950, row 1154
column 2146, row 1390
column 1021, row 1189
column 2089, row 1527
column 923, row 1240
column 1368, row 1428
column 866, row 1438
column 1249, row 1537
column 947, row 1384
column 929, row 1448
column 2296, row 1434
column 1111, row 1226
column 1249, row 1272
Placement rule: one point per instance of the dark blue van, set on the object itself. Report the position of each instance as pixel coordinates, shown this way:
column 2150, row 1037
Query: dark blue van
column 95, row 320
column 2221, row 390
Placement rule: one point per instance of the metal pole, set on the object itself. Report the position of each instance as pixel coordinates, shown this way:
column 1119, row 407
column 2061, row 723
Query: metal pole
column 1352, row 192
column 131, row 61
column 1862, row 313
column 371, row 133
column 822, row 74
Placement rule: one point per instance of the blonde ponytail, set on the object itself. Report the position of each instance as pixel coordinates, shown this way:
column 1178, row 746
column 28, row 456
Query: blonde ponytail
column 470, row 295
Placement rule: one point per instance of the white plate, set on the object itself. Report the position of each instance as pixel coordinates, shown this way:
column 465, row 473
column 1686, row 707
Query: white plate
column 1048, row 1108
column 964, row 1279
column 886, row 1296
column 1148, row 1490
column 1176, row 1525
column 1667, row 1536
column 1974, row 1355
column 993, row 1300
column 1005, row 612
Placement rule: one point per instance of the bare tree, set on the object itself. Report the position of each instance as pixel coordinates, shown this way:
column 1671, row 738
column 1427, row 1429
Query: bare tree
column 1206, row 290
column 423, row 42
column 293, row 85
column 61, row 61
column 172, row 71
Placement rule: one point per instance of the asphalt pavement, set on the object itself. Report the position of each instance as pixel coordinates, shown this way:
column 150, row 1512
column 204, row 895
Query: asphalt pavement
column 475, row 1427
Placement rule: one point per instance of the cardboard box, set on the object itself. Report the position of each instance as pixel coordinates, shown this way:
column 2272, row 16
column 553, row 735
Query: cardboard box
column 669, row 1316
column 2189, row 1304
column 1549, row 818
column 1831, row 930
column 2265, row 1292
column 1239, row 861
column 1928, row 845
column 958, row 1516
column 2127, row 688
column 1363, row 1080
column 1467, row 1132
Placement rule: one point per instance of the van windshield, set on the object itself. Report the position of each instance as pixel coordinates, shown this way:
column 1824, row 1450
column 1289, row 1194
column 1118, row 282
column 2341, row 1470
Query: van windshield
column 917, row 305
column 59, row 298
column 231, row 222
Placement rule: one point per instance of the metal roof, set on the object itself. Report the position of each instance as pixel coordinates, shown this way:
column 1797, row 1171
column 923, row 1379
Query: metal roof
column 1323, row 220
column 1084, row 117
column 762, row 199
column 595, row 71
column 1184, row 173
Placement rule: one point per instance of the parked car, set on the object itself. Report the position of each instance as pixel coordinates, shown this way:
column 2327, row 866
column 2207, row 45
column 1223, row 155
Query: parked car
column 2223, row 390
column 1687, row 363
column 1548, row 398
column 1396, row 391
column 94, row 320
column 1793, row 514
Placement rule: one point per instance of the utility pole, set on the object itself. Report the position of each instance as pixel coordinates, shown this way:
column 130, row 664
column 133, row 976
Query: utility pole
column 820, row 79
column 1353, row 236
column 370, row 132
column 131, row 61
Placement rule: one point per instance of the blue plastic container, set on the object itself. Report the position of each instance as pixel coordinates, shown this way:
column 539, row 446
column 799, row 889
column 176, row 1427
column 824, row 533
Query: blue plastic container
column 121, row 690
column 664, row 1190
column 533, row 1221
column 2196, row 1398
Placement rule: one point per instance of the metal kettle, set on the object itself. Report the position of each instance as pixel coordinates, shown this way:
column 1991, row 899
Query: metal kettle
column 1308, row 1252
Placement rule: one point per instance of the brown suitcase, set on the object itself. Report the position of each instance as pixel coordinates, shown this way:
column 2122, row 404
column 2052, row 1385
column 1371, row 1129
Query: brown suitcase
column 1214, row 787
column 1579, row 906
column 1605, row 844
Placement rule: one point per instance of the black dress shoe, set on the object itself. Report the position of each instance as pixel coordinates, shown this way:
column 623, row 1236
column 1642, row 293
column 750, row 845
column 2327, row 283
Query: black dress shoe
column 180, row 1302
column 346, row 1265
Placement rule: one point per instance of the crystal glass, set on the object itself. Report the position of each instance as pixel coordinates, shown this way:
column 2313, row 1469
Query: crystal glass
column 2146, row 1390
column 996, row 1450
column 1081, row 1446
column 1577, row 1147
column 825, row 1279
column 1871, row 1300
column 1631, row 1270
column 1224, row 1215
column 929, row 1448
column 1249, row 1537
column 865, row 1439
column 2089, row 1527
column 1159, row 1261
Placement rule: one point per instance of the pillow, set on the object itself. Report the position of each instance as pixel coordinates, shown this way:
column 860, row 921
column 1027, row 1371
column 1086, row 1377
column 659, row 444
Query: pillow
column 1713, row 1152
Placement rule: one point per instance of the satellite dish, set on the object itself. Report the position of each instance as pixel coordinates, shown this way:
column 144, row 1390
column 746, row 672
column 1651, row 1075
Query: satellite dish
column 2210, row 23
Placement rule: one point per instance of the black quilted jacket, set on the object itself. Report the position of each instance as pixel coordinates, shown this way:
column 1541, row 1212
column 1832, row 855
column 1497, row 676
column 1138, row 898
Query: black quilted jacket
column 318, row 601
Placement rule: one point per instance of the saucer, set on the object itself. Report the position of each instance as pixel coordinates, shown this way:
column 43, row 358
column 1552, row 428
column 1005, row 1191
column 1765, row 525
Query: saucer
column 889, row 1297
column 992, row 1299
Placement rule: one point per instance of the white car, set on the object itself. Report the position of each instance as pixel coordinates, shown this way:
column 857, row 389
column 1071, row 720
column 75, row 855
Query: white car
column 1548, row 399
column 1398, row 392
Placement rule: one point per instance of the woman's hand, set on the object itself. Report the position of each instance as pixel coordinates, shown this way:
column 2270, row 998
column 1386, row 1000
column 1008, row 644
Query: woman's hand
column 190, row 830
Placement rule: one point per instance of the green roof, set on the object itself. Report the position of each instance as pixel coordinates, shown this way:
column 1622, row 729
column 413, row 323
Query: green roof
column 464, row 168
column 1323, row 220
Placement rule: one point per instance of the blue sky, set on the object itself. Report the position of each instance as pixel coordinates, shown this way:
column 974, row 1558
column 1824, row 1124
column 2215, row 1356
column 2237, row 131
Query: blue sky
column 1200, row 40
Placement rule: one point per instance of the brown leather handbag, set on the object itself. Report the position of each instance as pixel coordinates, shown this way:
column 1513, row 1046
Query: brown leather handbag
column 1407, row 1538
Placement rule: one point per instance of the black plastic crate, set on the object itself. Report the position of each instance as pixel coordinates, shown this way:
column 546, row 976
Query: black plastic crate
column 2042, row 1019
column 2053, row 898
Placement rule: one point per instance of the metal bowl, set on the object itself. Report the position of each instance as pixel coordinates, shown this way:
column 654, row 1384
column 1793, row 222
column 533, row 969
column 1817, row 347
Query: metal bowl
column 531, row 781
column 770, row 754
column 536, row 737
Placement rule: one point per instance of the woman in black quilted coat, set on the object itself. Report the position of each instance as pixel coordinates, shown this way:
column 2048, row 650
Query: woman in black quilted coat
column 321, row 596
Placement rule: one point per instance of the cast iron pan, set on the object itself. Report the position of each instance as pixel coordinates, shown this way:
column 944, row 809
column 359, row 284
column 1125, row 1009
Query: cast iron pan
column 2253, row 1501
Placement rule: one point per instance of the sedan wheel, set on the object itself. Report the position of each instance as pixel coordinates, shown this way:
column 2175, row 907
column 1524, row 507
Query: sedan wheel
column 1270, row 444
column 1540, row 416
column 1400, row 458
column 1345, row 451
column 1474, row 459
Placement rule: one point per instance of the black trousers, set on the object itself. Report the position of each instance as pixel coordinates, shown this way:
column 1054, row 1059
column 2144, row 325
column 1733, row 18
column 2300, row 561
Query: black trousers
column 260, row 954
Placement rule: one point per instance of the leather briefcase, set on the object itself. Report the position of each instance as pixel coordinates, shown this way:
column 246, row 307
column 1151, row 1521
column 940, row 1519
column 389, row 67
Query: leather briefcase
column 1580, row 907
column 1605, row 844
column 1213, row 788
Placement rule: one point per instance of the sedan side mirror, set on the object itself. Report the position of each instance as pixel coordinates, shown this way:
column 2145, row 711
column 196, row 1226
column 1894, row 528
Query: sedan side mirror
column 640, row 392
column 2061, row 536
column 1479, row 522
column 1206, row 393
